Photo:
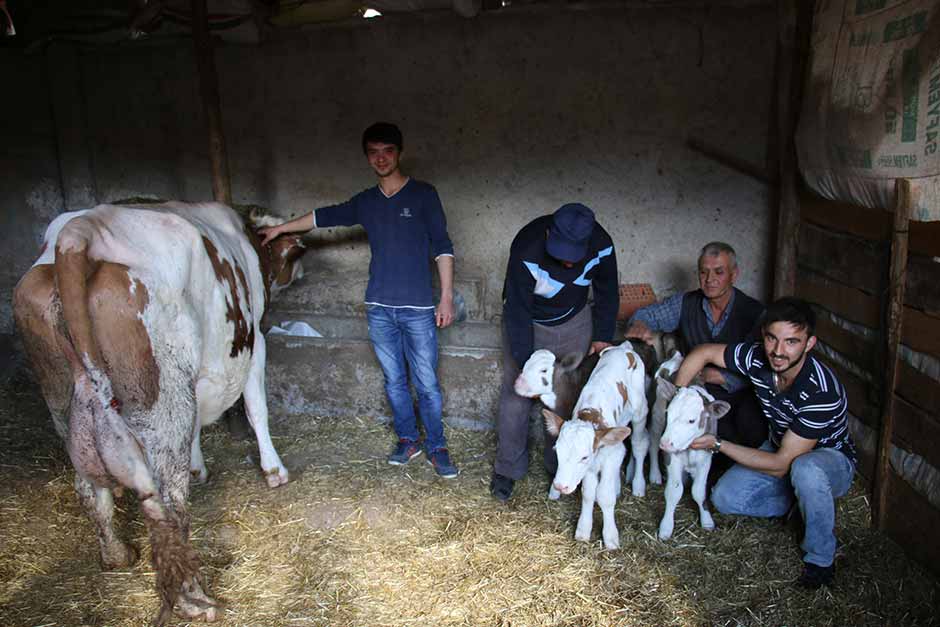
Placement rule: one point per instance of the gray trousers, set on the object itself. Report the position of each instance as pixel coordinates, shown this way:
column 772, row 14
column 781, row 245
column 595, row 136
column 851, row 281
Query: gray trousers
column 512, row 421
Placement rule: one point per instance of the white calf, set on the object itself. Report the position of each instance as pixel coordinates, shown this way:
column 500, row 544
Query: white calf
column 657, row 423
column 591, row 455
column 692, row 412
column 589, row 446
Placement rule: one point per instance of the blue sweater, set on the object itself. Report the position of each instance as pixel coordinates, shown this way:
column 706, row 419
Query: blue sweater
column 538, row 288
column 405, row 232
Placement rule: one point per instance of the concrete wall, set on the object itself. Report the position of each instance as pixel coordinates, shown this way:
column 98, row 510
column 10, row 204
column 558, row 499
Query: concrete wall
column 509, row 114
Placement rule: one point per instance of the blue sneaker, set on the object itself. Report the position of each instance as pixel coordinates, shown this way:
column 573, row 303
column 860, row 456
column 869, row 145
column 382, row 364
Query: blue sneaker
column 404, row 452
column 440, row 459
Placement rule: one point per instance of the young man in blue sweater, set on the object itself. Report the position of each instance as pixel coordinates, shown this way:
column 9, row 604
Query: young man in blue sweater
column 405, row 224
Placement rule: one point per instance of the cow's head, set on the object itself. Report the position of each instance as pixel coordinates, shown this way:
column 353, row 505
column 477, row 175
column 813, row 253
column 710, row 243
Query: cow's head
column 691, row 413
column 577, row 446
column 541, row 372
column 280, row 258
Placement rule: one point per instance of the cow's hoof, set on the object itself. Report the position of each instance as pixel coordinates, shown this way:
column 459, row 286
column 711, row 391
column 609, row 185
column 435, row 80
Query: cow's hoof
column 193, row 604
column 708, row 523
column 198, row 476
column 119, row 555
column 276, row 477
column 612, row 543
column 656, row 479
column 553, row 494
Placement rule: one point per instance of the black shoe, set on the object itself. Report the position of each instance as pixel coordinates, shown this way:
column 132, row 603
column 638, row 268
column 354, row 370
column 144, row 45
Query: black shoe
column 501, row 487
column 814, row 576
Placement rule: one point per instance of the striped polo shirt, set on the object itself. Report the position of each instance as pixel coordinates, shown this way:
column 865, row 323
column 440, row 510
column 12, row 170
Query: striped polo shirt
column 814, row 407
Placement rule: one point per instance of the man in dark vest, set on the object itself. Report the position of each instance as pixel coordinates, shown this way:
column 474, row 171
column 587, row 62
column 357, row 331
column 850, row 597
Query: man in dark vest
column 720, row 313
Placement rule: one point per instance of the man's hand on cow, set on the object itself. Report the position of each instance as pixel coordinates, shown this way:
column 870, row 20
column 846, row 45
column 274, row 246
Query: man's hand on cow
column 703, row 442
column 268, row 233
column 640, row 331
column 713, row 375
column 597, row 347
column 445, row 312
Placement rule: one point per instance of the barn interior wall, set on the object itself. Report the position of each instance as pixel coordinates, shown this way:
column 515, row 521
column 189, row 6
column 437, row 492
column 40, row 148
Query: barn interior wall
column 508, row 114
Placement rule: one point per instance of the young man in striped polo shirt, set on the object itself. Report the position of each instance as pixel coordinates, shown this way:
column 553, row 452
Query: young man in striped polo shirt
column 809, row 457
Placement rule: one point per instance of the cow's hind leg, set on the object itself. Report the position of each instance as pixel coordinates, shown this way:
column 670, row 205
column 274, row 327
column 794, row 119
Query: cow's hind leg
column 99, row 505
column 176, row 562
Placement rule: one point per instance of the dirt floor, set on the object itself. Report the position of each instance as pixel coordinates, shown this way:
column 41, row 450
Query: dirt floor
column 352, row 541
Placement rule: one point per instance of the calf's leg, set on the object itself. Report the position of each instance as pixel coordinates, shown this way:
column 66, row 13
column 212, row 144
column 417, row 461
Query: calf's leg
column 586, row 519
column 699, row 481
column 639, row 446
column 607, row 491
column 673, row 495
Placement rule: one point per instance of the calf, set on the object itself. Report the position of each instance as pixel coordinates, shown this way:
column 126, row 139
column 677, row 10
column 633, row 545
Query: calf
column 666, row 371
column 142, row 323
column 557, row 383
column 691, row 412
column 590, row 445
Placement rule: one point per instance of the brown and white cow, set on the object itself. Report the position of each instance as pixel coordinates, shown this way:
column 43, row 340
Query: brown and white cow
column 142, row 325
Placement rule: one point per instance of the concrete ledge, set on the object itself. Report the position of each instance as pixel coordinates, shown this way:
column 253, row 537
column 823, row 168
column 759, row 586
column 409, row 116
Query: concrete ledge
column 340, row 376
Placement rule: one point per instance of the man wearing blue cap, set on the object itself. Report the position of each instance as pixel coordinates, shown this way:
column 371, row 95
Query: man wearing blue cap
column 553, row 261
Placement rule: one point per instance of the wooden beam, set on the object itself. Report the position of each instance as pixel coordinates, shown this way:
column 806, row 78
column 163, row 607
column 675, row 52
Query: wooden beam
column 209, row 88
column 794, row 21
column 893, row 326
column 731, row 161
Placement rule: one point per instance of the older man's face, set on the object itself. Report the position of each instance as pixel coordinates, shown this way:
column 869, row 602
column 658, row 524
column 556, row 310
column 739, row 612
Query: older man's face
column 716, row 275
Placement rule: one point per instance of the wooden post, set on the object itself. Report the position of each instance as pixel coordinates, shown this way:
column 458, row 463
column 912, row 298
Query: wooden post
column 893, row 329
column 209, row 88
column 794, row 19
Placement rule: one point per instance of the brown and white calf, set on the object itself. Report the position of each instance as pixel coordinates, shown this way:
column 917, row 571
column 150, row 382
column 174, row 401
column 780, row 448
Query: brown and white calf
column 556, row 382
column 692, row 412
column 590, row 445
column 142, row 325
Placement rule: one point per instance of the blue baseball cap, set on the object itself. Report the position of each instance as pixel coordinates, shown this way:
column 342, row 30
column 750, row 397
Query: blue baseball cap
column 570, row 233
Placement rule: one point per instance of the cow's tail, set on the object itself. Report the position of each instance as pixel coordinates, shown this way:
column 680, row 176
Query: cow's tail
column 102, row 445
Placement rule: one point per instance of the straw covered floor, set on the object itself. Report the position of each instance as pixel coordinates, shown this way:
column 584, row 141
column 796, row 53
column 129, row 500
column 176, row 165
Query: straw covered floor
column 352, row 541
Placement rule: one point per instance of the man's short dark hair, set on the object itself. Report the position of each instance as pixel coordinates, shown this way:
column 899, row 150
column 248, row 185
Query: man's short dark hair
column 793, row 310
column 383, row 133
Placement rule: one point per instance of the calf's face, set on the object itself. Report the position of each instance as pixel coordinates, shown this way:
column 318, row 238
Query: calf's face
column 577, row 447
column 542, row 373
column 687, row 416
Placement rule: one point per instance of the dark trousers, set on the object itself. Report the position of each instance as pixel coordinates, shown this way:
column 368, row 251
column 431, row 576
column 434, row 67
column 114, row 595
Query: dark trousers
column 744, row 424
column 512, row 419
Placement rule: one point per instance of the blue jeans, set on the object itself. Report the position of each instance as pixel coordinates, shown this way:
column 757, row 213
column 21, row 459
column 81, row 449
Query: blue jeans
column 409, row 335
column 815, row 480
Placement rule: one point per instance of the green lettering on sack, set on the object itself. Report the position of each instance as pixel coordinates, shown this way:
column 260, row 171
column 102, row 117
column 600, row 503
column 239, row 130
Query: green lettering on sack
column 867, row 6
column 905, row 27
column 910, row 97
column 853, row 157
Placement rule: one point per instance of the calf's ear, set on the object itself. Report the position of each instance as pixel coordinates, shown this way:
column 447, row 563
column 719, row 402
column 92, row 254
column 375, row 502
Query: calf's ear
column 570, row 362
column 609, row 437
column 717, row 409
column 553, row 422
column 665, row 389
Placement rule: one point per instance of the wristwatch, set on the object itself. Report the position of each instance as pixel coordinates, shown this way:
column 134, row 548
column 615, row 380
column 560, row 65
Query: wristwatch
column 716, row 446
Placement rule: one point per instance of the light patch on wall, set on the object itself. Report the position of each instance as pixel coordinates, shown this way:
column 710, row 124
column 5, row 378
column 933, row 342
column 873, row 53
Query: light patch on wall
column 371, row 13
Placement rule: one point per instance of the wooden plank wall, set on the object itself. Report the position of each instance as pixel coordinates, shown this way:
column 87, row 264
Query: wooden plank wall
column 843, row 260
